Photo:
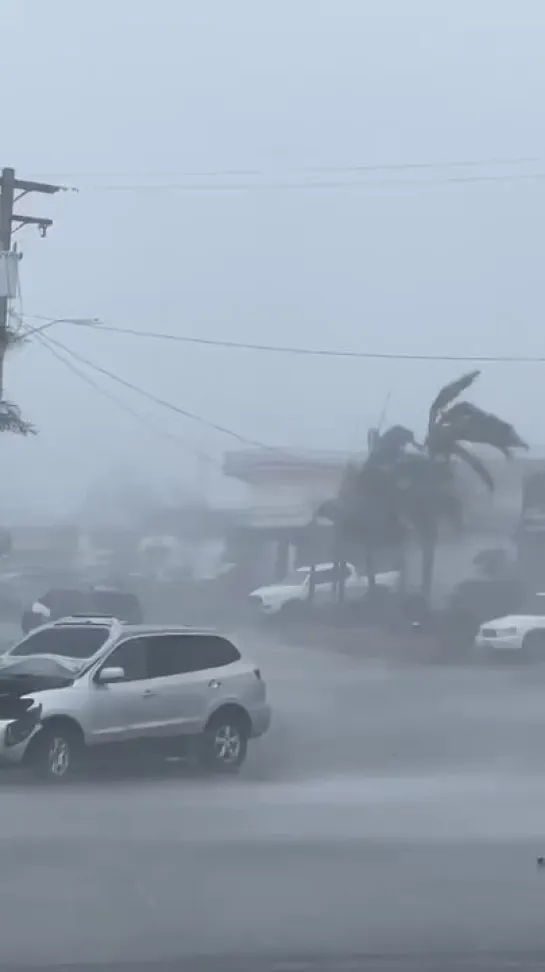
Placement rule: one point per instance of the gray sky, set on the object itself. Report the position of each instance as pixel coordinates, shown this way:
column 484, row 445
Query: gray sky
column 135, row 103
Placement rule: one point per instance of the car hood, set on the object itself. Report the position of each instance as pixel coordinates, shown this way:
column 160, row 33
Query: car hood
column 277, row 590
column 23, row 675
column 515, row 621
column 30, row 684
column 19, row 696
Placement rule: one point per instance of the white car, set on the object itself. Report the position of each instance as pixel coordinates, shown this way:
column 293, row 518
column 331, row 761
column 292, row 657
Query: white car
column 513, row 633
column 294, row 591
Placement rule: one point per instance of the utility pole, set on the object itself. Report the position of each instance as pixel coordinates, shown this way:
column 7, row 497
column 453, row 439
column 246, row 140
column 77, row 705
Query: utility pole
column 11, row 191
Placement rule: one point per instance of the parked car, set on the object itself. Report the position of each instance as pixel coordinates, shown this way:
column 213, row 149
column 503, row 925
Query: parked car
column 522, row 633
column 294, row 590
column 80, row 687
column 472, row 602
column 58, row 603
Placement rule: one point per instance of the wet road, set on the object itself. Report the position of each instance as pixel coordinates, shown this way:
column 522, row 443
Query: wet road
column 390, row 812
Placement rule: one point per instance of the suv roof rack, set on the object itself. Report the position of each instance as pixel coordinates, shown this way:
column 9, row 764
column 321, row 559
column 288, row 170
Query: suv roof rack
column 88, row 619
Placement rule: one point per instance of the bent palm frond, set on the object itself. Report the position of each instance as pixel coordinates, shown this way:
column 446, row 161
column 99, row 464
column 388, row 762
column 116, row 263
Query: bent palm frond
column 448, row 393
column 391, row 444
column 469, row 423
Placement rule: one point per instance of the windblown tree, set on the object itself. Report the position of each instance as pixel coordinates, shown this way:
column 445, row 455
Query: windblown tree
column 366, row 514
column 452, row 425
column 12, row 421
column 10, row 414
column 406, row 487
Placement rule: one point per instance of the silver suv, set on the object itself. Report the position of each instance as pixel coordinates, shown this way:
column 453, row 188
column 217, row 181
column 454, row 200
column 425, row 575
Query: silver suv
column 90, row 685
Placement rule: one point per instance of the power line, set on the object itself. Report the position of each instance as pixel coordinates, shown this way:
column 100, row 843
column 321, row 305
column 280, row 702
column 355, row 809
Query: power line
column 309, row 185
column 143, row 420
column 315, row 352
column 255, row 172
column 160, row 401
column 120, row 403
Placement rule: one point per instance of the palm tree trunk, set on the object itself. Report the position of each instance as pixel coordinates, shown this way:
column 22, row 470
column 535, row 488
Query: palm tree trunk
column 340, row 570
column 339, row 567
column 429, row 545
column 401, row 567
column 370, row 567
column 314, row 546
column 311, row 584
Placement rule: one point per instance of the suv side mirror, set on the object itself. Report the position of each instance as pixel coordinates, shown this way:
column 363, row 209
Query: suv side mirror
column 107, row 675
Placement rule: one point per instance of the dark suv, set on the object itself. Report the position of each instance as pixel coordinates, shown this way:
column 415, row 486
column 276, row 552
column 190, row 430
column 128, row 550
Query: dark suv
column 102, row 601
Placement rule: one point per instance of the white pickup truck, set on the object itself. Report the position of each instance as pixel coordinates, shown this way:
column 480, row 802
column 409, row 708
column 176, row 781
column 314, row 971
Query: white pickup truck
column 294, row 590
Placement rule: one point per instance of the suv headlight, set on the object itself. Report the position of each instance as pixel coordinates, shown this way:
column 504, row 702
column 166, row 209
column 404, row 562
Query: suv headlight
column 20, row 729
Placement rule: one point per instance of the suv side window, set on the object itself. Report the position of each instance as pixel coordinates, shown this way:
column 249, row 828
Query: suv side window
column 215, row 651
column 181, row 654
column 132, row 657
column 166, row 656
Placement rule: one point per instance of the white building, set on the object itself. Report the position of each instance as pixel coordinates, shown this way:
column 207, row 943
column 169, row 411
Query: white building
column 283, row 492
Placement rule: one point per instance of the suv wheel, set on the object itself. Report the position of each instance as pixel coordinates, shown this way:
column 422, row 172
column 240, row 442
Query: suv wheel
column 56, row 753
column 225, row 744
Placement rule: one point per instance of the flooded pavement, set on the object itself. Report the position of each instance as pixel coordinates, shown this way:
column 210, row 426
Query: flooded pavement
column 390, row 810
column 338, row 716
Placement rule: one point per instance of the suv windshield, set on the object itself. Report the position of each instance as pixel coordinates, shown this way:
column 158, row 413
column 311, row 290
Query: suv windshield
column 65, row 641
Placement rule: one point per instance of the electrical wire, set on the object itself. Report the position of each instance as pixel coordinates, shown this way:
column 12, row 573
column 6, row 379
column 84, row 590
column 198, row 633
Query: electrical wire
column 308, row 186
column 245, row 172
column 315, row 352
column 143, row 420
column 157, row 400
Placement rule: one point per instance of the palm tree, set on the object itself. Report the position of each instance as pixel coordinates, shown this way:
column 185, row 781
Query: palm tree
column 366, row 514
column 10, row 415
column 451, row 423
column 406, row 486
column 12, row 421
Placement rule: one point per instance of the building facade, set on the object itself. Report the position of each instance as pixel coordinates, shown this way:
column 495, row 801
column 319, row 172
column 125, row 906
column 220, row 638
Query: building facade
column 284, row 490
column 275, row 531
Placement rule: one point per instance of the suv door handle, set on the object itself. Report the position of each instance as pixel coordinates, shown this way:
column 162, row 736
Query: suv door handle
column 214, row 683
column 148, row 694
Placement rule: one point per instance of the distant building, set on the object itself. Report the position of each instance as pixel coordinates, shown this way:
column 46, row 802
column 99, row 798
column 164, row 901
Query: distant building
column 284, row 490
column 51, row 543
column 189, row 539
